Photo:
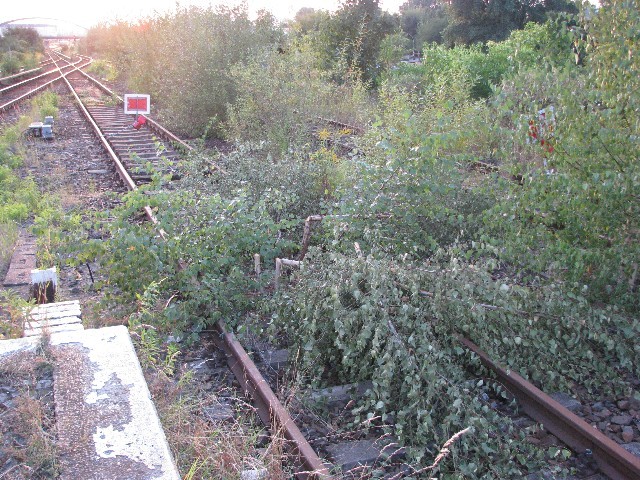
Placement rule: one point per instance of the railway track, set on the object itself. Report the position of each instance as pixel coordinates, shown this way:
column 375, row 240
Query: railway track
column 25, row 74
column 132, row 151
column 12, row 95
column 613, row 460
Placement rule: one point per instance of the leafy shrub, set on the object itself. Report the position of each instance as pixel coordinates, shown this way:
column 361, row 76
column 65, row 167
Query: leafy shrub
column 8, row 237
column 103, row 69
column 396, row 321
column 202, row 266
column 14, row 211
column 10, row 65
column 409, row 193
column 295, row 186
column 361, row 319
column 183, row 59
column 44, row 105
column 578, row 220
column 484, row 67
column 279, row 96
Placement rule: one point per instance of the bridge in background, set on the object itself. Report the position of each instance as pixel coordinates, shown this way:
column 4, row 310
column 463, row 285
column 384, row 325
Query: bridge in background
column 48, row 28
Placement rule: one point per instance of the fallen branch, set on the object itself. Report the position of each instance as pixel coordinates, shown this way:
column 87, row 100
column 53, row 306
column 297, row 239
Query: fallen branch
column 444, row 452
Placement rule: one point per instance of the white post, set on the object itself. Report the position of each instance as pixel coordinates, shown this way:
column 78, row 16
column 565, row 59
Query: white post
column 44, row 284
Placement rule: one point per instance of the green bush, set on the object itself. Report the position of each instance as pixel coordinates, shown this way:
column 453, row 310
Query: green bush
column 44, row 105
column 364, row 319
column 577, row 217
column 103, row 69
column 204, row 261
column 484, row 67
column 14, row 212
column 184, row 59
column 280, row 96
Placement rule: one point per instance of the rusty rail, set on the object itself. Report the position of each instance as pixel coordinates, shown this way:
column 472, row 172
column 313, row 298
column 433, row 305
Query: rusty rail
column 31, row 93
column 29, row 80
column 122, row 172
column 270, row 410
column 613, row 460
column 19, row 74
column 357, row 130
column 152, row 123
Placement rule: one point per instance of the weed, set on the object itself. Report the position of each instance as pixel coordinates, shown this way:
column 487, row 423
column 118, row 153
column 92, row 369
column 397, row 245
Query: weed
column 27, row 426
column 8, row 237
column 13, row 314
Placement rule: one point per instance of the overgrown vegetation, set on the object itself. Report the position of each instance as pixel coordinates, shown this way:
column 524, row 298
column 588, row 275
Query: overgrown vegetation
column 19, row 196
column 22, row 202
column 27, row 426
column 494, row 194
column 203, row 448
column 20, row 48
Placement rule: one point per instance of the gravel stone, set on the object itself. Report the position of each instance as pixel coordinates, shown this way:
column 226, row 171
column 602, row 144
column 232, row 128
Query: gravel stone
column 622, row 419
column 567, row 401
column 624, row 404
column 633, row 447
column 627, row 434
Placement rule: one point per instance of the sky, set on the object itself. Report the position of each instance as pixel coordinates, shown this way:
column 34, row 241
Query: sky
column 88, row 13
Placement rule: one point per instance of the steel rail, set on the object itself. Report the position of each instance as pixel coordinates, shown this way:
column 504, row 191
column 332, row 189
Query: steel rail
column 270, row 410
column 122, row 172
column 30, row 93
column 152, row 123
column 613, row 460
column 43, row 64
column 19, row 74
column 45, row 74
column 155, row 126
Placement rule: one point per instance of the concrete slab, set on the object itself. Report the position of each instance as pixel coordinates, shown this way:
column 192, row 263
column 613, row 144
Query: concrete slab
column 17, row 345
column 332, row 396
column 67, row 327
column 65, row 310
column 54, row 315
column 53, row 318
column 57, row 306
column 54, row 322
column 275, row 359
column 107, row 424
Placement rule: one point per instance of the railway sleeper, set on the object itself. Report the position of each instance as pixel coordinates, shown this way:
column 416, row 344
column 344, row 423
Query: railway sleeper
column 354, row 457
column 129, row 144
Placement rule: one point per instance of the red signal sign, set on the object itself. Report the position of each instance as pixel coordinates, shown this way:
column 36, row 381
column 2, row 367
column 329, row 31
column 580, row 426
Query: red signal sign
column 136, row 103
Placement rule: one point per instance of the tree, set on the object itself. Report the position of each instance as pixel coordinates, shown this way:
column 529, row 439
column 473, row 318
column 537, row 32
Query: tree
column 392, row 48
column 423, row 21
column 472, row 21
column 19, row 47
column 308, row 19
column 21, row 39
column 360, row 26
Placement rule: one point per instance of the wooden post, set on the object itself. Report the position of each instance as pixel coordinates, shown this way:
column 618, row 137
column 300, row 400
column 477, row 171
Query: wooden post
column 278, row 271
column 256, row 264
column 306, row 234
